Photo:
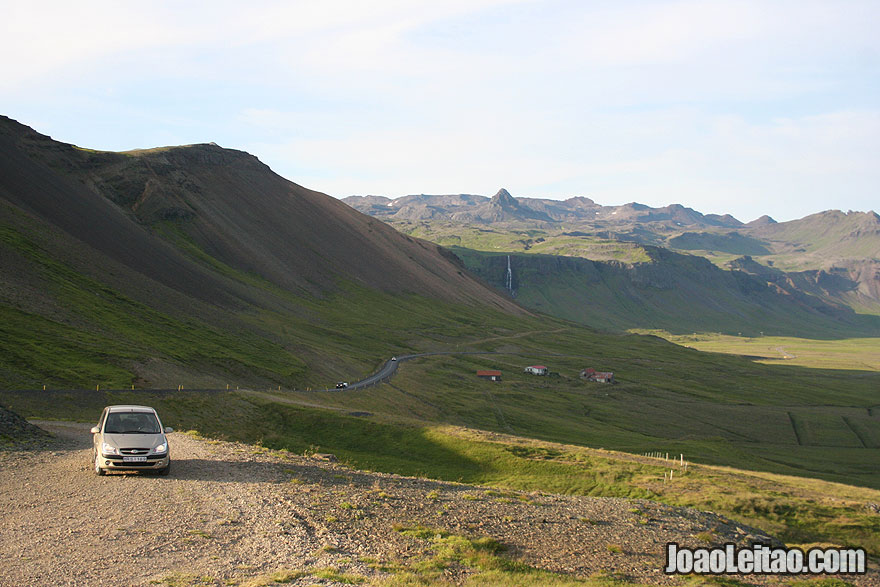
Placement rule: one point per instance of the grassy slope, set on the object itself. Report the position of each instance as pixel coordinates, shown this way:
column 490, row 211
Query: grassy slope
column 676, row 293
column 799, row 510
column 66, row 324
column 812, row 241
column 96, row 333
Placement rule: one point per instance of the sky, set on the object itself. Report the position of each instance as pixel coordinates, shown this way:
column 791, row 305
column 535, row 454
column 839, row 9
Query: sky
column 729, row 106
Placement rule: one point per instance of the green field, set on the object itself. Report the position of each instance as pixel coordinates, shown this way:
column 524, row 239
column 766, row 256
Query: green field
column 847, row 353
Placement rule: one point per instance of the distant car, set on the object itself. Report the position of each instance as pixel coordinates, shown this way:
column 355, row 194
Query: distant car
column 130, row 438
column 341, row 385
column 393, row 358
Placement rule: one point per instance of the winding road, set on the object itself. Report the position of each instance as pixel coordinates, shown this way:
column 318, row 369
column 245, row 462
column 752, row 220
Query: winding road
column 390, row 367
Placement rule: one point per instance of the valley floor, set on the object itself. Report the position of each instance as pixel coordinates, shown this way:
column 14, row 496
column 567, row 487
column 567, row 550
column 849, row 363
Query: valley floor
column 856, row 354
column 236, row 514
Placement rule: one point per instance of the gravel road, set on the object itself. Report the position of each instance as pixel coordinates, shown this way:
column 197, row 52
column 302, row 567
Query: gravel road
column 230, row 513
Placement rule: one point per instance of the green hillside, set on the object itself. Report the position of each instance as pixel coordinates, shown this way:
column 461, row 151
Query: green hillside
column 666, row 291
column 75, row 330
column 198, row 266
column 814, row 241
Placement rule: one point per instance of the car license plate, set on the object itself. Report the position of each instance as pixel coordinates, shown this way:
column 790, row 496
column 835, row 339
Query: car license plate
column 133, row 459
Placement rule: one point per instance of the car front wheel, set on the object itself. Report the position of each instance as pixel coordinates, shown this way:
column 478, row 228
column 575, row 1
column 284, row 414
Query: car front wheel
column 98, row 469
column 164, row 472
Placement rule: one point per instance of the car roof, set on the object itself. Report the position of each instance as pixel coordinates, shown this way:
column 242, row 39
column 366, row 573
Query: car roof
column 130, row 409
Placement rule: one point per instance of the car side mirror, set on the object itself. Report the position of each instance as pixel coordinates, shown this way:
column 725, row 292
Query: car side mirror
column 95, row 430
column 168, row 429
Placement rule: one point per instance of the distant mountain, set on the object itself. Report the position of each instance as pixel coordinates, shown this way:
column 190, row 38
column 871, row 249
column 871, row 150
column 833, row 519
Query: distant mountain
column 762, row 221
column 823, row 237
column 504, row 208
column 815, row 270
column 201, row 260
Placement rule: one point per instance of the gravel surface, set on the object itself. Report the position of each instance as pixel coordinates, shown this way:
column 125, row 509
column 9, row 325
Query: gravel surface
column 231, row 512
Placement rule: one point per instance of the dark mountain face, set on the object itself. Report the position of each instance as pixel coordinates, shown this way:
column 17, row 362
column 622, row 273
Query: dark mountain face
column 199, row 263
column 228, row 204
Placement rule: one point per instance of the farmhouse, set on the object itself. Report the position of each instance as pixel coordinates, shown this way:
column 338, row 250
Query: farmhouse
column 536, row 370
column 490, row 375
column 591, row 374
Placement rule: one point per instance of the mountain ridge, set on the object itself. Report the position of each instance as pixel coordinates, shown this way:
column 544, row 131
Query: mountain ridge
column 576, row 208
column 828, row 262
column 220, row 198
column 200, row 263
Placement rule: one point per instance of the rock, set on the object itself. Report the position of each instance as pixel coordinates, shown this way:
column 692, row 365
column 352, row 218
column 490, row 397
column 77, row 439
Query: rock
column 325, row 456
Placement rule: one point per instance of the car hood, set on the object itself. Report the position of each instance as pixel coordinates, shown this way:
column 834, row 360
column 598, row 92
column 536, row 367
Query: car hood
column 134, row 440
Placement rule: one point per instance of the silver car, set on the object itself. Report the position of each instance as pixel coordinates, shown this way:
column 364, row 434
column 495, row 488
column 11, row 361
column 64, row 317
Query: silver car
column 130, row 438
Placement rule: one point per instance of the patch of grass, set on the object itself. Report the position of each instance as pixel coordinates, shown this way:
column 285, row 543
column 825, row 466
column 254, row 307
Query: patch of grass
column 274, row 578
column 482, row 557
column 334, row 574
column 706, row 537
column 185, row 580
column 384, row 566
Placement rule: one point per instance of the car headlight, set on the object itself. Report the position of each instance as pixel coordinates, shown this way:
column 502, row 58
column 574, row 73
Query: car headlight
column 162, row 448
column 108, row 449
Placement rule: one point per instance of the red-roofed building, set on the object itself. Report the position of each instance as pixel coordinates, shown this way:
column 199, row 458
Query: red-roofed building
column 591, row 374
column 490, row 375
column 536, row 369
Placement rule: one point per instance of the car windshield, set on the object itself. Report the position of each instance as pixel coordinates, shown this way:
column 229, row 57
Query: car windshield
column 131, row 423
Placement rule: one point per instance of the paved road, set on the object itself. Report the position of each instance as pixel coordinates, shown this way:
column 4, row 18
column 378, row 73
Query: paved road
column 382, row 374
column 390, row 367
